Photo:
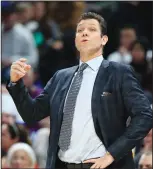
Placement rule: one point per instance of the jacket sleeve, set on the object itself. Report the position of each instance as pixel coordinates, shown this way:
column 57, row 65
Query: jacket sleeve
column 31, row 110
column 138, row 107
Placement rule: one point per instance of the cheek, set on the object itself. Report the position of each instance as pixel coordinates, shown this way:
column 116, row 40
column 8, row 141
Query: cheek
column 97, row 39
column 24, row 163
column 77, row 42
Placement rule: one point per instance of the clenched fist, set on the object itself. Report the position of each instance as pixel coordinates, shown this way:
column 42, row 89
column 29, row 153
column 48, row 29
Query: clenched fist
column 19, row 69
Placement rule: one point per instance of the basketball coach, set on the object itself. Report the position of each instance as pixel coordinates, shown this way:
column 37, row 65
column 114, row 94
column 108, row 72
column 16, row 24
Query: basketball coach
column 88, row 105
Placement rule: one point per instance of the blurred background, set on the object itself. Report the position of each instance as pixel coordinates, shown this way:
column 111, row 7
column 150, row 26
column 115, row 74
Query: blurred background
column 43, row 32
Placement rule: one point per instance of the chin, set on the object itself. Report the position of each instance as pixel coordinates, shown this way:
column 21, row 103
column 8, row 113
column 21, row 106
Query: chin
column 86, row 50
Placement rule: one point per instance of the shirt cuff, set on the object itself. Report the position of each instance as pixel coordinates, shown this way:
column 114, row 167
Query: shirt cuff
column 11, row 84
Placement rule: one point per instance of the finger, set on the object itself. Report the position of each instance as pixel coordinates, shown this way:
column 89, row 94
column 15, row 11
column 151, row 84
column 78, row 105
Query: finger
column 17, row 67
column 27, row 68
column 101, row 167
column 98, row 166
column 18, row 73
column 93, row 166
column 23, row 59
column 19, row 63
column 90, row 161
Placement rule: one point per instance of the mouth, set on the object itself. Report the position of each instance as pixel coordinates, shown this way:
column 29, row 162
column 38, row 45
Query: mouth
column 84, row 40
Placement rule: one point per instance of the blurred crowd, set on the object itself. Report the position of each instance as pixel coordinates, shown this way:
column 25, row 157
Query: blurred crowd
column 44, row 32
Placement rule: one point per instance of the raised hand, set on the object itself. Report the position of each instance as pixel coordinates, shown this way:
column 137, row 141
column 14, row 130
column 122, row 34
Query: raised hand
column 19, row 69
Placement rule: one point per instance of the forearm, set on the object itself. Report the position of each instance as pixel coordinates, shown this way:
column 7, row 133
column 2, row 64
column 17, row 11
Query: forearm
column 31, row 110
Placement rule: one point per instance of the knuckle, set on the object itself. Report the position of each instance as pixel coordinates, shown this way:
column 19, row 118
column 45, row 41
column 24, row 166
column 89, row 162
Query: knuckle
column 18, row 62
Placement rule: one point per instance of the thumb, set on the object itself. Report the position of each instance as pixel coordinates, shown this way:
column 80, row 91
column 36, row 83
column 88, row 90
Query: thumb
column 90, row 161
column 27, row 68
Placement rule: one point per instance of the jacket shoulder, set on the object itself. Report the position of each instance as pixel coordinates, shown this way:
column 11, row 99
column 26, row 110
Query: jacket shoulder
column 119, row 67
column 66, row 70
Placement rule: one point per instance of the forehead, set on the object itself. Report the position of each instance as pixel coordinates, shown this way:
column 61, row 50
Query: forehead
column 128, row 31
column 20, row 152
column 88, row 22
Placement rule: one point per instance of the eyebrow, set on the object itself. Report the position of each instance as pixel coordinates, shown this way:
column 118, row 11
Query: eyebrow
column 82, row 24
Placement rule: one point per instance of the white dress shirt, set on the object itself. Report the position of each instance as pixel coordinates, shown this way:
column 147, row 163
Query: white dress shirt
column 85, row 144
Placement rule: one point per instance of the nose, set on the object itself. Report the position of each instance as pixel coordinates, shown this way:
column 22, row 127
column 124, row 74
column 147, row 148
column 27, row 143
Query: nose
column 85, row 33
column 17, row 162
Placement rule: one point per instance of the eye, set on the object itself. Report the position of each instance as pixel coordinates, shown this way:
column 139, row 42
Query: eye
column 79, row 30
column 92, row 29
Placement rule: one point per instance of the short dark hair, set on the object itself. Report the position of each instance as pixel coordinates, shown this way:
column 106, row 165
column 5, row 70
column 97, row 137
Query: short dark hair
column 99, row 18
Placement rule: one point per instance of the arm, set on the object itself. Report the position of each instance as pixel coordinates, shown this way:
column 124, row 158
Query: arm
column 31, row 110
column 141, row 116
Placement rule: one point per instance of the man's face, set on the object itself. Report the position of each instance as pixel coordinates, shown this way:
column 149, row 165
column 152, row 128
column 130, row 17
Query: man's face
column 127, row 36
column 145, row 162
column 88, row 36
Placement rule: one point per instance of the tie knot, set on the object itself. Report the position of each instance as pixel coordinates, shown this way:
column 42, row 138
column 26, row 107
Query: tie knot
column 83, row 67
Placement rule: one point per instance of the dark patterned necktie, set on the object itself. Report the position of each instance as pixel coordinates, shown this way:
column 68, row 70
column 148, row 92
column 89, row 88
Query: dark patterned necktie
column 66, row 128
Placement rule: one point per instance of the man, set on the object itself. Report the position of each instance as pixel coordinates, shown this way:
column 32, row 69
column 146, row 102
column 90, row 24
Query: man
column 122, row 55
column 146, row 161
column 17, row 41
column 88, row 105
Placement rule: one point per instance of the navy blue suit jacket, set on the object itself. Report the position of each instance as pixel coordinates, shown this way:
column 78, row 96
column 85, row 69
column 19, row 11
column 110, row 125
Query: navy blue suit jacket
column 110, row 112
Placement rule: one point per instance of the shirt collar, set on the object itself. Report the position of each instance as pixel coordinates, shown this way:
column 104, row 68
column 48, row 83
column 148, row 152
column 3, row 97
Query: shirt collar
column 94, row 63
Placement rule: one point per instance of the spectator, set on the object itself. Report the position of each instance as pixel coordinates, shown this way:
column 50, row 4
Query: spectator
column 27, row 16
column 24, row 134
column 148, row 142
column 25, row 13
column 10, row 114
column 39, row 10
column 122, row 55
column 10, row 135
column 21, row 155
column 144, row 146
column 40, row 145
column 131, row 13
column 17, row 41
column 146, row 161
column 139, row 62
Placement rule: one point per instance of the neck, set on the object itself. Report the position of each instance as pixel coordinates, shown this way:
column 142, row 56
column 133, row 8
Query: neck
column 85, row 56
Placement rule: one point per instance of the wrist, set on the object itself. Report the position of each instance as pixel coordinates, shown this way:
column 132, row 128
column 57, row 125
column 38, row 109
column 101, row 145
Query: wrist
column 109, row 156
column 13, row 81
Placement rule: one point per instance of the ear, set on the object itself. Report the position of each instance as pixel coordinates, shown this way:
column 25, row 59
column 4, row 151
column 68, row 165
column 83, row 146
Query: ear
column 104, row 40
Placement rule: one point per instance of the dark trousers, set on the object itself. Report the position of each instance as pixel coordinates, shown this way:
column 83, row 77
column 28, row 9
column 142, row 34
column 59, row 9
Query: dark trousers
column 63, row 165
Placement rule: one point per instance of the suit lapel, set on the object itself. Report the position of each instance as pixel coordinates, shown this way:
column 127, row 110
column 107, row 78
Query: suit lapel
column 68, row 79
column 99, row 84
